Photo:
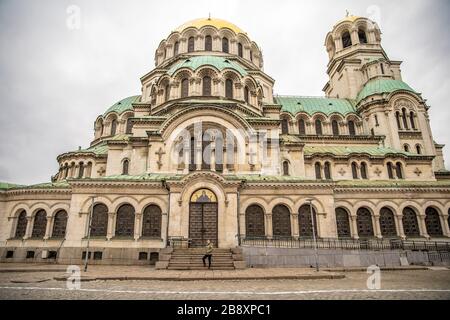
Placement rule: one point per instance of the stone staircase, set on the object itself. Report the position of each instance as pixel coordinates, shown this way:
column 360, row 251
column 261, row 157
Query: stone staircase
column 191, row 259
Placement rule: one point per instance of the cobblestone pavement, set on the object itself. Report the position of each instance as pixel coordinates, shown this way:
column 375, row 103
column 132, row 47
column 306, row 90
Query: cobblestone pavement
column 417, row 284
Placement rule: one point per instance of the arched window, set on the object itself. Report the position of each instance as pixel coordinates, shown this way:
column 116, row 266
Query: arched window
column 432, row 222
column 363, row 170
column 125, row 167
column 208, row 43
column 151, row 223
column 390, row 170
column 59, row 224
column 418, row 149
column 254, row 221
column 382, row 68
column 40, row 224
column 129, row 128
column 351, row 128
column 354, row 170
column 206, row 86
column 387, row 223
column 301, row 126
column 80, row 170
column 284, row 126
column 125, row 221
column 246, row 94
column 399, row 170
column 225, row 45
column 327, row 170
column 191, row 44
column 101, row 128
column 410, row 223
column 240, row 51
column 21, row 227
column 405, row 120
column 335, row 127
column 281, row 221
column 184, row 88
column 318, row 125
column 342, row 223
column 99, row 220
column 362, row 36
column 318, row 170
column 411, row 119
column 166, row 92
column 397, row 117
column 229, row 89
column 305, row 222
column 285, row 168
column 176, row 48
column 113, row 127
column 364, row 223
column 406, row 147
column 346, row 39
column 251, row 55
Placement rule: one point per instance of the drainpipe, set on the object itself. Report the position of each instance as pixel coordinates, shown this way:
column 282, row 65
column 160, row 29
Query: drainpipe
column 237, row 209
column 164, row 184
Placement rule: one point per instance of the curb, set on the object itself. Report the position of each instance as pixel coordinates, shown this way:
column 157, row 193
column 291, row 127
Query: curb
column 32, row 270
column 381, row 268
column 299, row 277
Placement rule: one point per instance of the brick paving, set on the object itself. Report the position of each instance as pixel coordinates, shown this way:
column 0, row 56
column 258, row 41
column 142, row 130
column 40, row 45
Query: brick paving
column 411, row 284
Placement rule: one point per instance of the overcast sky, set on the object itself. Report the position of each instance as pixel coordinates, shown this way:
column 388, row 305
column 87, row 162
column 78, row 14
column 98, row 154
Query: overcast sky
column 55, row 80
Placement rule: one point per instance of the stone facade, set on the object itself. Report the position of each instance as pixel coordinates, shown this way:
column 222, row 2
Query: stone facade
column 207, row 121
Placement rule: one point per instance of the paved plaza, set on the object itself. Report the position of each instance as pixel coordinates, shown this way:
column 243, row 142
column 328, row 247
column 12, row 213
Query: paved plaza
column 431, row 284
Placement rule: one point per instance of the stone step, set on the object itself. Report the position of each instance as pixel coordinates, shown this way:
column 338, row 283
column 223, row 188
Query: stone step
column 200, row 268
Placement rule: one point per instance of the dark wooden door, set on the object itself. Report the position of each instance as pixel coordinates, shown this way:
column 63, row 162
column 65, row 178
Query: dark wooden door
column 202, row 223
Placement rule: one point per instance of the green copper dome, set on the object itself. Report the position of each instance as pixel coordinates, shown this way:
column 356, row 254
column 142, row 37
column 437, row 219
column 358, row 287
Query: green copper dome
column 379, row 86
column 220, row 63
column 122, row 105
column 312, row 105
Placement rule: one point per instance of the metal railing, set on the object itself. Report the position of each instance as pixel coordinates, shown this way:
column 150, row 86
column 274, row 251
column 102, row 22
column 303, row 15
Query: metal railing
column 347, row 244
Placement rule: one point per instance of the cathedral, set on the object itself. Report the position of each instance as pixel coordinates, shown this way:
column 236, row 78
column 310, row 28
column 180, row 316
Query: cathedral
column 207, row 151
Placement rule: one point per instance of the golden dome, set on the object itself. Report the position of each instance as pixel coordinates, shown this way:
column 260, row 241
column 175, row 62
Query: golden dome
column 218, row 23
column 349, row 18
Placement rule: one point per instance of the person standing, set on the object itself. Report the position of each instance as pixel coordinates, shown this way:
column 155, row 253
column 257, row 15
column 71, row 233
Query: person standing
column 209, row 251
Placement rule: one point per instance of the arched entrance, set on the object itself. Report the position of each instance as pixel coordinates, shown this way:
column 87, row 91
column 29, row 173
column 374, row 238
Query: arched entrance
column 203, row 218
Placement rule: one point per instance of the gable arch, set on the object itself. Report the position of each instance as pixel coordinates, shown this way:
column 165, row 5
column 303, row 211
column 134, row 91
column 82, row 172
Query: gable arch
column 183, row 73
column 17, row 209
column 288, row 203
column 120, row 201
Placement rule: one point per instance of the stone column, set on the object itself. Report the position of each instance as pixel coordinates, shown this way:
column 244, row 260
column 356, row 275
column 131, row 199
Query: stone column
column 187, row 156
column 48, row 227
column 354, row 36
column 354, row 227
column 137, row 225
column 29, row 229
column 294, row 225
column 399, row 224
column 376, row 226
column 337, row 43
column 268, row 224
column 224, row 160
column 445, row 227
column 212, row 164
column 422, row 226
column 110, row 231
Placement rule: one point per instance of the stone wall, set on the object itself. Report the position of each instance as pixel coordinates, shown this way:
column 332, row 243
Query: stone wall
column 288, row 257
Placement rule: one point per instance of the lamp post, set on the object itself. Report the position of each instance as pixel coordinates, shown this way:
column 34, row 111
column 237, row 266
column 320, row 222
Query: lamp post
column 314, row 234
column 88, row 234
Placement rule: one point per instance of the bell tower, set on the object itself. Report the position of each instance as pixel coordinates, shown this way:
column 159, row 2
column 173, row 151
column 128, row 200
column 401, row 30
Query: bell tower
column 356, row 57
